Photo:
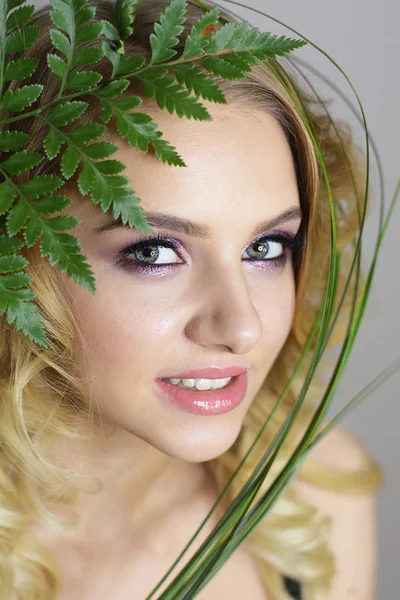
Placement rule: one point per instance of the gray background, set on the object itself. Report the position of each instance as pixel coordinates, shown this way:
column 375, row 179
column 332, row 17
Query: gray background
column 363, row 37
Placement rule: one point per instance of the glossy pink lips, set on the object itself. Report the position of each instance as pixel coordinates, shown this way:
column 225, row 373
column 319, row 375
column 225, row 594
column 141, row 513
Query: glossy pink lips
column 210, row 402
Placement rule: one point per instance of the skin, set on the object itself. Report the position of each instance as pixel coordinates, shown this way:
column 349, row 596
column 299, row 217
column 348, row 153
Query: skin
column 213, row 308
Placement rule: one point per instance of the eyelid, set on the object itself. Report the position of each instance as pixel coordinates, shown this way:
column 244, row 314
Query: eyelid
column 162, row 235
column 162, row 238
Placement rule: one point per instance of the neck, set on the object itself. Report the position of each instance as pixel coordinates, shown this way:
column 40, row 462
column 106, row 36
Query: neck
column 129, row 485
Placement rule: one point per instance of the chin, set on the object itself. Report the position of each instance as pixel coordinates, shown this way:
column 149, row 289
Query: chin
column 198, row 445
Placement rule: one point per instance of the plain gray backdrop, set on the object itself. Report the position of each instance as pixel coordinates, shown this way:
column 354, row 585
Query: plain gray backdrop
column 363, row 37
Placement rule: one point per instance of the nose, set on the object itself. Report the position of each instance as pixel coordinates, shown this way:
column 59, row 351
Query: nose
column 225, row 315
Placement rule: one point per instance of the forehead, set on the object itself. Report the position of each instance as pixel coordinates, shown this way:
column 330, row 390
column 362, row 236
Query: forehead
column 241, row 156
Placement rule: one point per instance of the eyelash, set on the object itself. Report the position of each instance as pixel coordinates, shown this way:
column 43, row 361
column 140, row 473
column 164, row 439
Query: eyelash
column 291, row 243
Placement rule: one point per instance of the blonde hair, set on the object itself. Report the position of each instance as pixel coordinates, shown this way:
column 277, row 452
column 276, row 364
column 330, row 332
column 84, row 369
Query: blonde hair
column 42, row 400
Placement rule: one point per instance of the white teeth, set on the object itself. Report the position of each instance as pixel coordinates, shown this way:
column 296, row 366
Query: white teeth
column 189, row 383
column 200, row 384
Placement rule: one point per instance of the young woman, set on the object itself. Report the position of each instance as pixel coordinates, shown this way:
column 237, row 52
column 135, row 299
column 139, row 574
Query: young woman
column 224, row 296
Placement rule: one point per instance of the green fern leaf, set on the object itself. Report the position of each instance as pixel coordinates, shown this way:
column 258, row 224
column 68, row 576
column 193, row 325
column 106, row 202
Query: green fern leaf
column 123, row 15
column 18, row 216
column 166, row 31
column 89, row 33
column 118, row 181
column 244, row 38
column 72, row 17
column 243, row 61
column 102, row 191
column 25, row 315
column 64, row 114
column 12, row 263
column 60, row 42
column 125, row 205
column 12, row 140
column 52, row 143
column 167, row 153
column 87, row 56
column 11, row 4
column 9, row 245
column 199, row 37
column 111, row 167
column 21, row 161
column 51, row 204
column 111, row 32
column 22, row 39
column 21, row 98
column 33, row 230
column 8, row 193
column 130, row 64
column 40, row 185
column 172, row 96
column 127, row 103
column 63, row 20
column 112, row 55
column 62, row 223
column 139, row 129
column 69, row 162
column 84, row 15
column 269, row 45
column 78, row 5
column 64, row 249
column 82, row 80
column 86, row 178
column 114, row 88
column 19, row 69
column 89, row 132
column 57, row 65
column 221, row 38
column 16, row 280
column 106, row 111
column 20, row 17
column 100, row 150
column 197, row 81
column 221, row 67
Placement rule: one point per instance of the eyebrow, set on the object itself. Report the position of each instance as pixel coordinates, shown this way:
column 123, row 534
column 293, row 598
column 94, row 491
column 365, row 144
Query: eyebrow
column 172, row 223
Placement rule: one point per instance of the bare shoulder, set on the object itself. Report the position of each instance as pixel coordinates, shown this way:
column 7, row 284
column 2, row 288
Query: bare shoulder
column 340, row 449
column 353, row 535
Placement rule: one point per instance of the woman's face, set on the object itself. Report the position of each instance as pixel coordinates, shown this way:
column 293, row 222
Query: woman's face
column 223, row 300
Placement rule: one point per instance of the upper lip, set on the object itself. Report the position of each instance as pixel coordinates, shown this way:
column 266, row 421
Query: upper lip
column 213, row 372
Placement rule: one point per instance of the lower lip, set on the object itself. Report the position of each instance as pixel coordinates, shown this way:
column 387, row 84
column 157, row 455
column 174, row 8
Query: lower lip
column 210, row 402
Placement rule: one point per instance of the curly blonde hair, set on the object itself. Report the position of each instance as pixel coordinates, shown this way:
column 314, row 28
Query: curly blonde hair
column 41, row 399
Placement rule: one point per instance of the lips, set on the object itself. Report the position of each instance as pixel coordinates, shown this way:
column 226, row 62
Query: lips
column 208, row 373
column 210, row 402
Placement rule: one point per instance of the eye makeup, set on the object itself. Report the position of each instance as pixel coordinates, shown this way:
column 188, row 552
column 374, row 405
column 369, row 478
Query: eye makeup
column 128, row 259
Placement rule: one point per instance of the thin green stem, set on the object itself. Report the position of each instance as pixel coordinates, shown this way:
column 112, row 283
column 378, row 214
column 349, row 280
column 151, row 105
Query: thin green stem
column 356, row 262
column 3, row 40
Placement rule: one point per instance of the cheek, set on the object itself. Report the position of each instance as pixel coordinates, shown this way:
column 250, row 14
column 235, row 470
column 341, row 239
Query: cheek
column 122, row 332
column 277, row 313
column 126, row 332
